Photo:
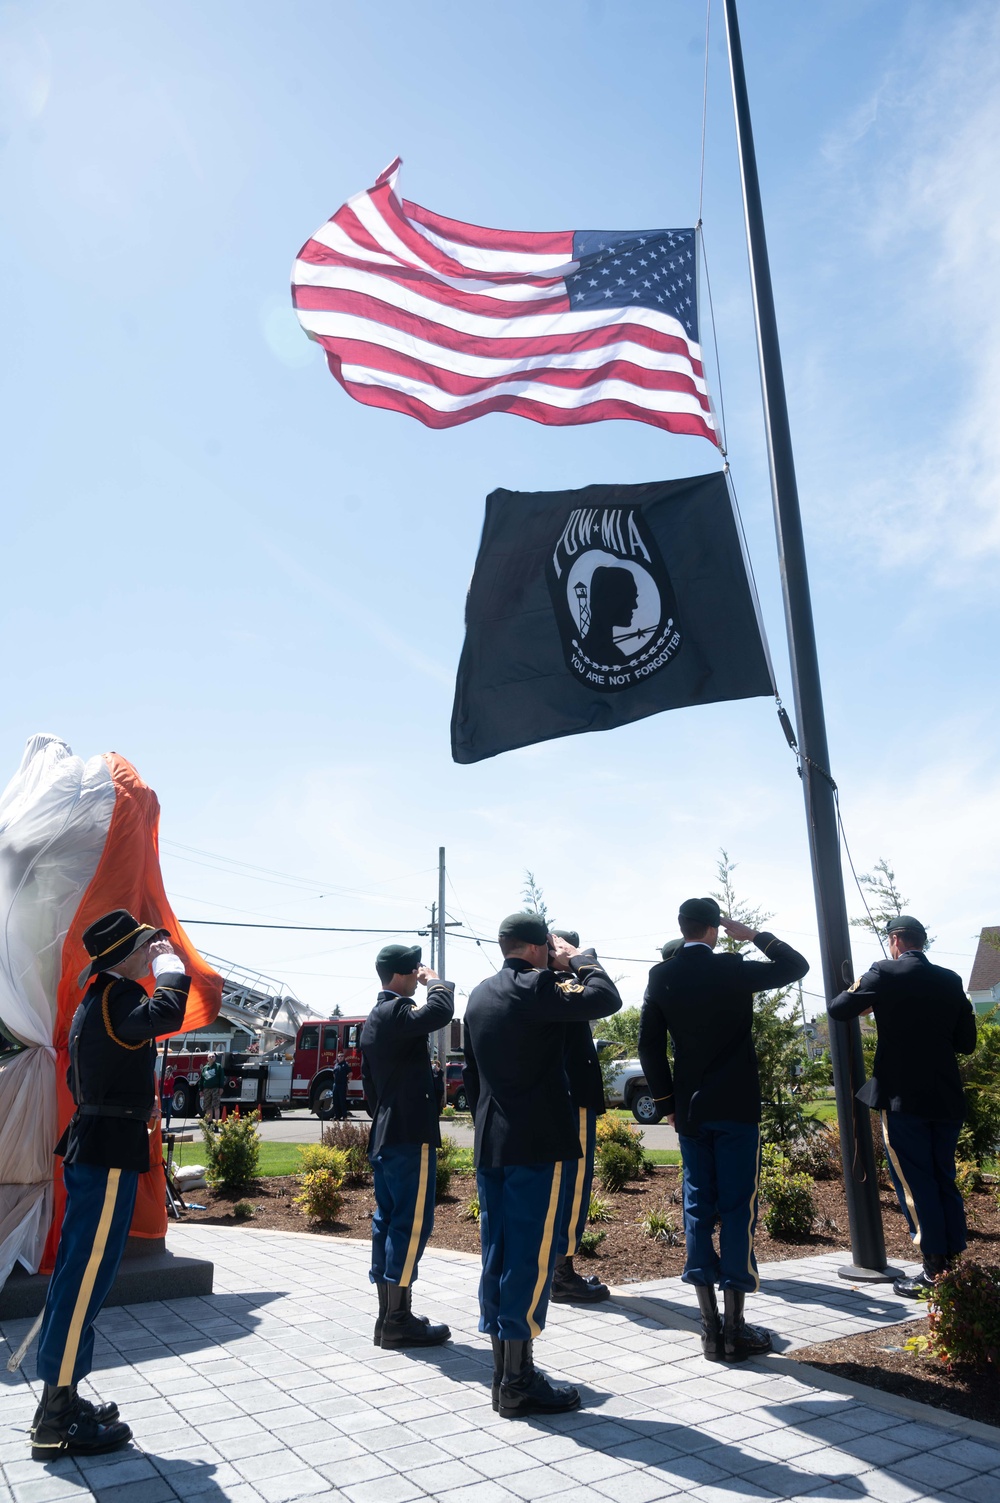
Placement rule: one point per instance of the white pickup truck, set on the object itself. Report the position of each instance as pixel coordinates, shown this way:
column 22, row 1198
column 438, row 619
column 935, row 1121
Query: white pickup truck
column 627, row 1087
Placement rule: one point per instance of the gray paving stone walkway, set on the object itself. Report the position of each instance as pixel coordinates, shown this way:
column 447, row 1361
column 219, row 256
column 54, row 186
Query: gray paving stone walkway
column 270, row 1391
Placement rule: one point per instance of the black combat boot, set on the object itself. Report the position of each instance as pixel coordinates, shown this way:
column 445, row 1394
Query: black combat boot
column 526, row 1391
column 741, row 1340
column 381, row 1290
column 712, row 1343
column 923, row 1282
column 497, row 1369
column 64, row 1428
column 104, row 1414
column 402, row 1328
column 570, row 1288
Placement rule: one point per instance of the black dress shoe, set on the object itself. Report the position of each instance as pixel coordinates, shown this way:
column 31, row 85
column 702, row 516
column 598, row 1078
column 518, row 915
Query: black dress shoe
column 571, row 1288
column 921, row 1284
column 525, row 1391
column 64, row 1427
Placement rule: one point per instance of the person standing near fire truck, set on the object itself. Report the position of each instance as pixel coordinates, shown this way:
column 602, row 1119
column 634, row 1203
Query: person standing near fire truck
column 405, row 1135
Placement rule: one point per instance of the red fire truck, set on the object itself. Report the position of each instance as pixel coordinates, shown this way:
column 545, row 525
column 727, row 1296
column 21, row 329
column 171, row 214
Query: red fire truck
column 274, row 1056
column 301, row 1074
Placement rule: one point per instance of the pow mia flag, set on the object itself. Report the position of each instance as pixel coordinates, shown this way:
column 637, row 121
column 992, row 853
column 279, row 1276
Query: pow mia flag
column 589, row 609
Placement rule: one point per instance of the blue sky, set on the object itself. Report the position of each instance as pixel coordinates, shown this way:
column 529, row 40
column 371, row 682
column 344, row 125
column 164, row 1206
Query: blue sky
column 220, row 566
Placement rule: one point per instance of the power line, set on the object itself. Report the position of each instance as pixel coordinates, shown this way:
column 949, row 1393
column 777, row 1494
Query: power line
column 303, row 928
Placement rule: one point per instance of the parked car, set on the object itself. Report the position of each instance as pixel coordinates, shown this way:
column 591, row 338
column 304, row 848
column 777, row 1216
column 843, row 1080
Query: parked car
column 454, row 1087
column 627, row 1087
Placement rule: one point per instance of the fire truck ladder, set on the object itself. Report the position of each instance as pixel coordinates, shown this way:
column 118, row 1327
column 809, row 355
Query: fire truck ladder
column 256, row 1001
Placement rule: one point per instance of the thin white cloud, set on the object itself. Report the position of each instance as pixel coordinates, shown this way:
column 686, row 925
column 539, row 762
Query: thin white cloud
column 912, row 367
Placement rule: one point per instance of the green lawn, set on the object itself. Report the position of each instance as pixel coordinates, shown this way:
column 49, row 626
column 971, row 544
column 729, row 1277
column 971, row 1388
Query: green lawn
column 824, row 1111
column 275, row 1158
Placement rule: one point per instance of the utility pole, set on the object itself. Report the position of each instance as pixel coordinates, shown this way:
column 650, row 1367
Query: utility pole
column 434, row 909
column 442, row 1036
column 860, row 1181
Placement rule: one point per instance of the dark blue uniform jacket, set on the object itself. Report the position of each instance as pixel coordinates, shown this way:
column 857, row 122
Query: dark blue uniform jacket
column 923, row 1018
column 583, row 1070
column 112, row 1068
column 516, row 1028
column 704, row 1000
column 396, row 1068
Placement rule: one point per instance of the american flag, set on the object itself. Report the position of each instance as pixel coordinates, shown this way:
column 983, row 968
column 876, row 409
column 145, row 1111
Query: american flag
column 447, row 321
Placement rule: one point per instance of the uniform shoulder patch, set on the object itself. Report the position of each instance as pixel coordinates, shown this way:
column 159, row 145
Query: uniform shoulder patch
column 569, row 988
column 854, row 985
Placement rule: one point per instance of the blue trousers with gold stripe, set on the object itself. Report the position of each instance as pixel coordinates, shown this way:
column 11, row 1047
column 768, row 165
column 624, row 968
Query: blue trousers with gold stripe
column 721, row 1175
column 520, row 1214
column 579, row 1177
column 405, row 1179
column 921, row 1154
column 99, row 1205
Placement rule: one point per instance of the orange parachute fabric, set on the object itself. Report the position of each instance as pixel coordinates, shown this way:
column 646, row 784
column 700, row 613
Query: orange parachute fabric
column 127, row 876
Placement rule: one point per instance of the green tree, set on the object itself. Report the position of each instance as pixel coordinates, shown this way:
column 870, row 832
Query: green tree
column 979, row 1139
column 883, row 899
column 622, row 1030
column 533, row 897
column 789, row 1080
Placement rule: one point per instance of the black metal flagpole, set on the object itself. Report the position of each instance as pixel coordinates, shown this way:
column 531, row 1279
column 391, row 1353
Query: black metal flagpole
column 860, row 1179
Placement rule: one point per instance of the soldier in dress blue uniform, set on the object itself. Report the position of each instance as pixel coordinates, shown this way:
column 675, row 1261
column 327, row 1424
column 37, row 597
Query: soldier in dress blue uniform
column 405, row 1135
column 924, row 1019
column 704, row 1002
column 111, row 1075
column 586, row 1089
column 526, row 1131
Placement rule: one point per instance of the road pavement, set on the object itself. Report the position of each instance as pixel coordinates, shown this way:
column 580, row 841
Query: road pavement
column 303, row 1127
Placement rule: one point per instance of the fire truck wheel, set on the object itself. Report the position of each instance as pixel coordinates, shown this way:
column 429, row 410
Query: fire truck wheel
column 181, row 1099
column 322, row 1101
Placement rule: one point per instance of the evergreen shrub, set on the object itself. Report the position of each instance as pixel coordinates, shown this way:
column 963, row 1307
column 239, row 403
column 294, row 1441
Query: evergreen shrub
column 963, row 1316
column 352, row 1139
column 320, row 1197
column 233, row 1152
column 323, row 1156
column 789, row 1210
column 619, row 1156
column 615, row 1166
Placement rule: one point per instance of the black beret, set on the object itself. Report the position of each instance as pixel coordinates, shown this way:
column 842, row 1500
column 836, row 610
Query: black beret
column 671, row 947
column 529, row 928
column 905, row 924
column 569, row 935
column 402, row 958
column 701, row 911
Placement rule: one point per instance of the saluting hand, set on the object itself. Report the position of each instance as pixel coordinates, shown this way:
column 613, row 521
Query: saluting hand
column 736, row 930
column 559, row 953
column 425, row 974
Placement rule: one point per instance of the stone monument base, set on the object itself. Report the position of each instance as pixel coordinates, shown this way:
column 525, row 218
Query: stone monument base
column 148, row 1272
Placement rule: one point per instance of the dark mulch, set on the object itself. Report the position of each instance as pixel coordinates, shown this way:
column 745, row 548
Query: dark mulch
column 627, row 1254
column 879, row 1359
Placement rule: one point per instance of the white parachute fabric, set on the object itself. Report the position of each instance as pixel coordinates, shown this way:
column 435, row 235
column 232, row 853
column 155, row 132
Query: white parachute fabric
column 54, row 819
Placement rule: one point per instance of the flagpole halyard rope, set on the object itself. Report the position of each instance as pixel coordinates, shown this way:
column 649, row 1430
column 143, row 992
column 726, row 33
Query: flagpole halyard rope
column 704, row 110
